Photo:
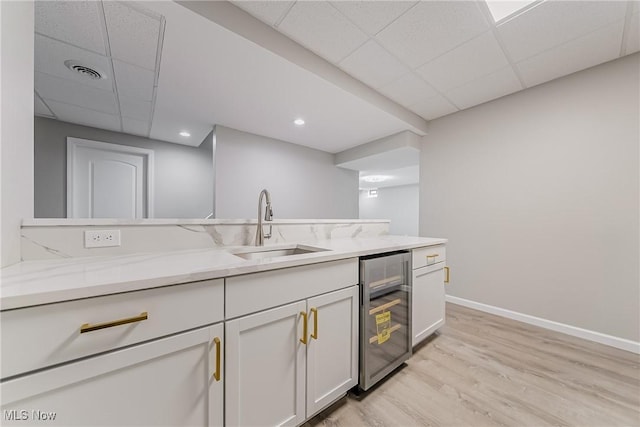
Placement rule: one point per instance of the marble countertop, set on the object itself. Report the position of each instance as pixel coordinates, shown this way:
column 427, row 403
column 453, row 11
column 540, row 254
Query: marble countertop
column 107, row 222
column 42, row 282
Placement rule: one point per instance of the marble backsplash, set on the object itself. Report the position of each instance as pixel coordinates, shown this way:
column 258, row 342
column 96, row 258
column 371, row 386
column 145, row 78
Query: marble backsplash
column 55, row 239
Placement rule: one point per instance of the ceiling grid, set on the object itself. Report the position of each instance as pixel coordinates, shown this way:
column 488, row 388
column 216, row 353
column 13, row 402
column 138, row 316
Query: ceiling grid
column 409, row 32
column 85, row 32
column 107, row 45
column 628, row 33
column 494, row 31
column 406, row 62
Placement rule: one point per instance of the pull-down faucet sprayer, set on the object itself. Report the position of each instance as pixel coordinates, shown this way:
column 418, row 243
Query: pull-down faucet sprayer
column 268, row 216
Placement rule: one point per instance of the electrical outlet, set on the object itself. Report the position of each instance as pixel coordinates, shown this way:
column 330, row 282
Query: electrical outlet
column 101, row 238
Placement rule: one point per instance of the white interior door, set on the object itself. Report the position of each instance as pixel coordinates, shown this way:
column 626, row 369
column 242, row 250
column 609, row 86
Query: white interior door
column 108, row 180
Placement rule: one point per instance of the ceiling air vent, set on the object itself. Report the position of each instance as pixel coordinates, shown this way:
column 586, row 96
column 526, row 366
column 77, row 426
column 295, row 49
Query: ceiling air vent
column 84, row 70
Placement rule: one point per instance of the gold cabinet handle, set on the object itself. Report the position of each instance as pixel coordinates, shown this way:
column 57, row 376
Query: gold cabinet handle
column 88, row 327
column 314, row 335
column 303, row 340
column 446, row 275
column 433, row 256
column 216, row 374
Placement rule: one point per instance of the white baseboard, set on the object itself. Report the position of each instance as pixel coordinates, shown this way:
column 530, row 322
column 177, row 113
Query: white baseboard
column 610, row 340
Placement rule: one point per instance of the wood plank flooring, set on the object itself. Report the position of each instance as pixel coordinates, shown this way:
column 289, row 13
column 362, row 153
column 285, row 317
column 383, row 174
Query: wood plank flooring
column 485, row 370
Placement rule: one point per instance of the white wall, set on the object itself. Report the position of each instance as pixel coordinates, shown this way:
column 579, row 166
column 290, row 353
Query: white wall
column 16, row 143
column 303, row 182
column 398, row 204
column 183, row 175
column 538, row 194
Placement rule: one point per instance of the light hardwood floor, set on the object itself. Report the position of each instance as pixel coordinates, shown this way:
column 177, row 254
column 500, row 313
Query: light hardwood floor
column 485, row 370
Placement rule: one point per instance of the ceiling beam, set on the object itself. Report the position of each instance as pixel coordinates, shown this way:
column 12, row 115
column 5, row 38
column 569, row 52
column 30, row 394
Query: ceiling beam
column 242, row 23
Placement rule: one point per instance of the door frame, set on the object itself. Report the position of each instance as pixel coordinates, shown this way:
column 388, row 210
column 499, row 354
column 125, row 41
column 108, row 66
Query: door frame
column 72, row 148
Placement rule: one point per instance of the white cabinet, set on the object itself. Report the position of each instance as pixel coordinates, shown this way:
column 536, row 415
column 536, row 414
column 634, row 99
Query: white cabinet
column 149, row 357
column 428, row 296
column 255, row 292
column 46, row 335
column 286, row 364
column 332, row 356
column 154, row 357
column 173, row 381
column 265, row 368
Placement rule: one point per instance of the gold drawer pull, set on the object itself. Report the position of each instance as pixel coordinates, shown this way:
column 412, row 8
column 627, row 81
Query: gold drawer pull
column 433, row 256
column 303, row 340
column 216, row 374
column 446, row 275
column 314, row 335
column 88, row 327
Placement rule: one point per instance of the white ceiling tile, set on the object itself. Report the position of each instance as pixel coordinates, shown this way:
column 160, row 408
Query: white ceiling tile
column 134, row 82
column 70, row 92
column 486, row 88
column 266, row 11
column 552, row 23
column 432, row 28
column 633, row 34
column 39, row 107
column 50, row 56
column 135, row 127
column 134, row 108
column 373, row 16
column 321, row 28
column 584, row 52
column 75, row 22
column 408, row 90
column 373, row 65
column 471, row 60
column 83, row 116
column 133, row 35
column 432, row 108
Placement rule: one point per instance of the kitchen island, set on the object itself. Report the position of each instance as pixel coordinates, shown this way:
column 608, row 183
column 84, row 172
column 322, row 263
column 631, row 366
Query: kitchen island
column 183, row 337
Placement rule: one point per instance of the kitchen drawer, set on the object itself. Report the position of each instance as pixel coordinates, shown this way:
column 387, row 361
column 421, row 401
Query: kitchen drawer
column 428, row 255
column 255, row 292
column 46, row 335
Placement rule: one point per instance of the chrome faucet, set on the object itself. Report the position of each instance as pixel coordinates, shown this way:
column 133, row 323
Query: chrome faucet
column 268, row 216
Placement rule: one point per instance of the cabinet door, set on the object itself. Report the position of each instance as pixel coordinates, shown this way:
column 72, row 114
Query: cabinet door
column 265, row 367
column 167, row 382
column 332, row 353
column 427, row 306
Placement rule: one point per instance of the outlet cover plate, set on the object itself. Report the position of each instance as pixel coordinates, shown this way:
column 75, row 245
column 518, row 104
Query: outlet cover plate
column 101, row 238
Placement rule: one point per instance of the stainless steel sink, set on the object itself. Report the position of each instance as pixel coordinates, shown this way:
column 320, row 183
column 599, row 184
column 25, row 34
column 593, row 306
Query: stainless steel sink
column 266, row 252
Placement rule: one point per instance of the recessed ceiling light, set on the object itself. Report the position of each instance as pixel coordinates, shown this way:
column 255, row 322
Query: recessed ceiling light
column 375, row 178
column 185, row 133
column 500, row 9
column 298, row 122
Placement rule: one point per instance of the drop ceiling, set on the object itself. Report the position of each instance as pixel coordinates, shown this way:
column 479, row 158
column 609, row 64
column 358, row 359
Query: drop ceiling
column 439, row 57
column 97, row 35
column 170, row 69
